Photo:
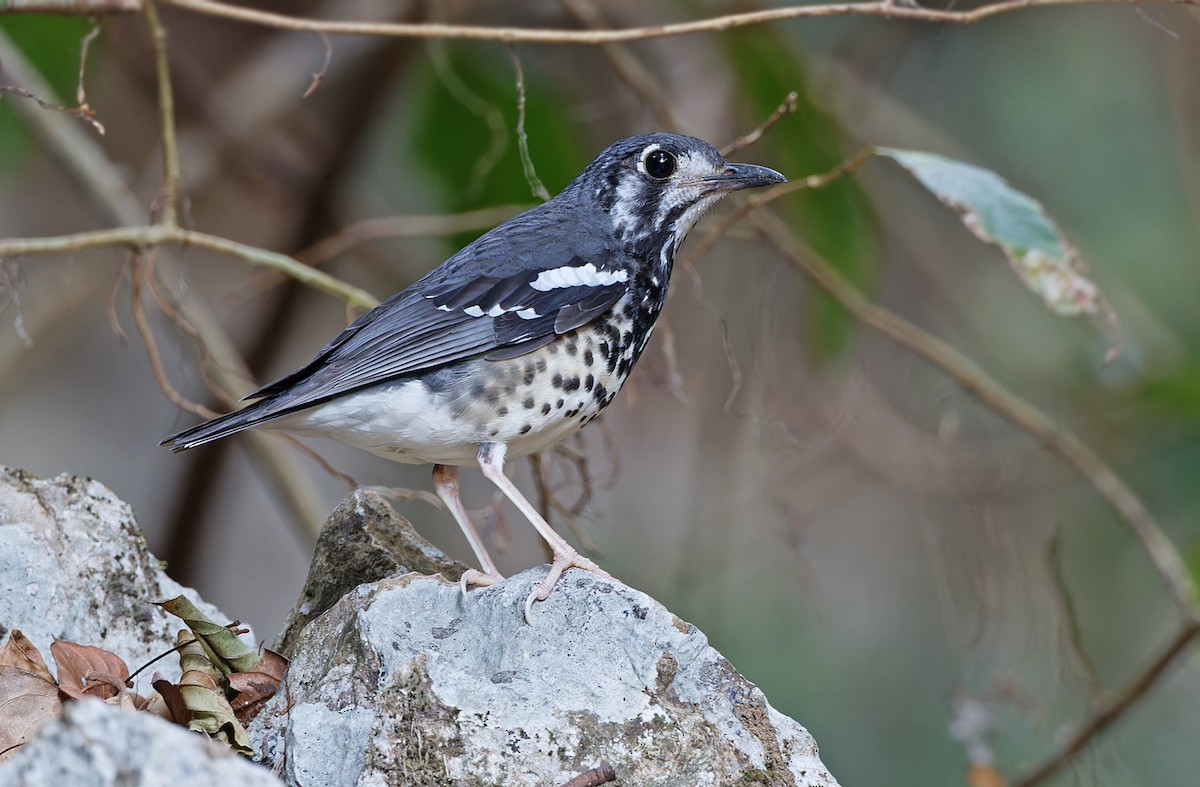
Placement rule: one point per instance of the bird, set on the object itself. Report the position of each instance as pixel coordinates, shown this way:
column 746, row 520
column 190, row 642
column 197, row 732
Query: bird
column 515, row 342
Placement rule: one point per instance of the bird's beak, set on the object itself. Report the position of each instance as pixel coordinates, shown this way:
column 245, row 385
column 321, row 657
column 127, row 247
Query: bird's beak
column 743, row 176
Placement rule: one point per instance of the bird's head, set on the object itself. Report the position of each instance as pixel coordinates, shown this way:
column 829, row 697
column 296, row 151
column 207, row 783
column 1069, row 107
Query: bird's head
column 654, row 187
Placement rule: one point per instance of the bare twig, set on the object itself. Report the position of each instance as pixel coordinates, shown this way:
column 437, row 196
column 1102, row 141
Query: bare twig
column 345, row 478
column 136, row 274
column 319, row 76
column 81, row 112
column 789, row 105
column 172, row 180
column 535, row 183
column 80, row 91
column 1062, row 595
column 434, row 30
column 1107, row 713
column 143, row 237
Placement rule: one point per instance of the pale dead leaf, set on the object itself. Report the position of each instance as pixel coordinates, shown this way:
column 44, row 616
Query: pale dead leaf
column 27, row 701
column 19, row 652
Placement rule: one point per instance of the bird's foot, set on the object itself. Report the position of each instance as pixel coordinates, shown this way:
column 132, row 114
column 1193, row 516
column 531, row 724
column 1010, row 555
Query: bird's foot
column 477, row 578
column 562, row 561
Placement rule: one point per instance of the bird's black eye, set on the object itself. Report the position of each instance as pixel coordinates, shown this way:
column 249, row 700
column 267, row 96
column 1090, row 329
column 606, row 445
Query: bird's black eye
column 660, row 164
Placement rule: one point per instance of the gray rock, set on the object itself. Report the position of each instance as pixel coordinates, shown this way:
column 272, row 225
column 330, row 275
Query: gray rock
column 363, row 540
column 98, row 745
column 404, row 681
column 74, row 565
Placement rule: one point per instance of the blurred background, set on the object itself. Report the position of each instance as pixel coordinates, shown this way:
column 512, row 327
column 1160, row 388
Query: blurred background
column 896, row 567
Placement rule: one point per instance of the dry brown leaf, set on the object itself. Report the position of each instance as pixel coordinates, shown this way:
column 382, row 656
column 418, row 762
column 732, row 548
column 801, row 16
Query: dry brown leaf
column 172, row 697
column 27, row 701
column 87, row 671
column 19, row 652
column 257, row 686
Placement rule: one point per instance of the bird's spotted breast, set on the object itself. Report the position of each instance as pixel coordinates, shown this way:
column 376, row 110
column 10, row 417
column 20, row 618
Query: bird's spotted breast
column 528, row 403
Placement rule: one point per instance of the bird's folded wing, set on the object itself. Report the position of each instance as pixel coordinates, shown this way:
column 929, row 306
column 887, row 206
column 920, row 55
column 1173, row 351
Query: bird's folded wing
column 434, row 323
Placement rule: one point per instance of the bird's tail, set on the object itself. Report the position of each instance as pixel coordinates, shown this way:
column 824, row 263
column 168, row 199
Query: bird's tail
column 223, row 426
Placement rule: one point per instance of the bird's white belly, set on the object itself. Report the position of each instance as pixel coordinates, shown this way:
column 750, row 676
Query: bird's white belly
column 527, row 403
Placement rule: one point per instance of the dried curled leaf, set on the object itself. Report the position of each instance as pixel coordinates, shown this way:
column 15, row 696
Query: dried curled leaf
column 27, row 701
column 198, row 701
column 87, row 671
column 999, row 214
column 19, row 652
column 224, row 648
column 257, row 686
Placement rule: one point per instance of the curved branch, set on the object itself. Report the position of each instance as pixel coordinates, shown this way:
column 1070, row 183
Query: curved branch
column 142, row 238
column 435, row 30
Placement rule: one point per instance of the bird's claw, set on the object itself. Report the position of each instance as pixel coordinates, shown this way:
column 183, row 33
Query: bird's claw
column 562, row 562
column 478, row 578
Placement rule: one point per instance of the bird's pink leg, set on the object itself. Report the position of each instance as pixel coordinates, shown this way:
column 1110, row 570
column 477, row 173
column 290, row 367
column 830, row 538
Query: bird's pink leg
column 491, row 462
column 445, row 482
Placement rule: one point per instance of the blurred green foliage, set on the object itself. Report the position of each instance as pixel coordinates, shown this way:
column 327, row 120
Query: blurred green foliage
column 464, row 115
column 52, row 45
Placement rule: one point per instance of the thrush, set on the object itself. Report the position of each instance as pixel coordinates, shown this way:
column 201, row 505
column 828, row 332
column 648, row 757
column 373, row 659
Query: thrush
column 517, row 341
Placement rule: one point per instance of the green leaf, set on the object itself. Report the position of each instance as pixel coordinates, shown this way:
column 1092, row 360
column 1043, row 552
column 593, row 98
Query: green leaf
column 836, row 220
column 998, row 214
column 224, row 649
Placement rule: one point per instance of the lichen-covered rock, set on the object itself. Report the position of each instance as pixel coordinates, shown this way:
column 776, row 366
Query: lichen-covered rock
column 363, row 540
column 74, row 565
column 404, row 681
column 98, row 745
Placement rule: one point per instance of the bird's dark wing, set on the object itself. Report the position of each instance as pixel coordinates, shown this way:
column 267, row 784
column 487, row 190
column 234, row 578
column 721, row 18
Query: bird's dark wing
column 447, row 318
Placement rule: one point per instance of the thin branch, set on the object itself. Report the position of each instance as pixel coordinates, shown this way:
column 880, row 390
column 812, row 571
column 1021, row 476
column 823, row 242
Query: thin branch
column 137, row 275
column 435, row 30
column 535, row 183
column 80, row 90
column 1066, row 603
column 789, row 105
column 1111, row 710
column 83, row 112
column 148, row 236
column 319, row 76
column 172, row 179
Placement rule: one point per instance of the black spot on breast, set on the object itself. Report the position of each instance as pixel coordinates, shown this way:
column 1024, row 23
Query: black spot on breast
column 572, row 347
column 546, row 409
column 540, row 365
column 601, row 394
column 559, row 404
column 501, row 410
column 530, row 375
column 525, row 429
column 572, row 413
column 557, row 381
column 492, row 395
column 623, row 367
column 571, row 385
column 588, row 358
column 589, row 382
column 528, row 403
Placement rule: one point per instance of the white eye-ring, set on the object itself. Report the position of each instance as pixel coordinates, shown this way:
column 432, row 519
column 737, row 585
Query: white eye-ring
column 658, row 163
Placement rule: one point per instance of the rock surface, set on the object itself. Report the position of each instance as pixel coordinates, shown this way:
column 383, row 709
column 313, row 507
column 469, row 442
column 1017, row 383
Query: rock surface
column 363, row 540
column 98, row 745
column 74, row 565
column 403, row 681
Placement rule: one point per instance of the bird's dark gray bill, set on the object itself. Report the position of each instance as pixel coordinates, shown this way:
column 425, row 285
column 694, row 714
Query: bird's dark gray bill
column 746, row 176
